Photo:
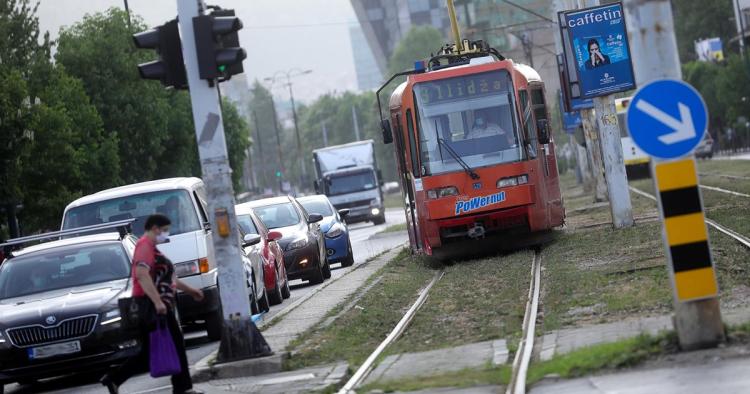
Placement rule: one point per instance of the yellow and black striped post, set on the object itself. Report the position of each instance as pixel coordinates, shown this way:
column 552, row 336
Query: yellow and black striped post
column 685, row 230
column 697, row 318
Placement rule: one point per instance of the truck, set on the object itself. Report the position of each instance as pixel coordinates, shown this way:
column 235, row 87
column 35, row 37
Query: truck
column 348, row 174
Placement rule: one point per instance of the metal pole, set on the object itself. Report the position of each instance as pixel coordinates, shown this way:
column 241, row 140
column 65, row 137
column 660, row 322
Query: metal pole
column 325, row 133
column 454, row 26
column 303, row 173
column 278, row 146
column 260, row 151
column 355, row 120
column 654, row 52
column 240, row 338
column 741, row 21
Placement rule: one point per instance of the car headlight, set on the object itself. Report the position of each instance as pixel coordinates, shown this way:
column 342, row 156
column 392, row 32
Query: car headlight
column 188, row 268
column 111, row 317
column 513, row 181
column 2, row 337
column 335, row 231
column 297, row 243
column 441, row 192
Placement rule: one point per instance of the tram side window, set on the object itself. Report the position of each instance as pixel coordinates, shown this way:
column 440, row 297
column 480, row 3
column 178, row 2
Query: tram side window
column 528, row 125
column 537, row 102
column 412, row 145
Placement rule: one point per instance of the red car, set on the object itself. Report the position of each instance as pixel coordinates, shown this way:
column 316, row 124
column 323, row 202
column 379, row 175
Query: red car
column 274, row 270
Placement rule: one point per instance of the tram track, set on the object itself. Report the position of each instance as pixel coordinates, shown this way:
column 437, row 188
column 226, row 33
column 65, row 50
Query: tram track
column 522, row 359
column 745, row 241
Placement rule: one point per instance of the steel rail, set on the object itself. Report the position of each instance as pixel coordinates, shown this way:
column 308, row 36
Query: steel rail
column 517, row 384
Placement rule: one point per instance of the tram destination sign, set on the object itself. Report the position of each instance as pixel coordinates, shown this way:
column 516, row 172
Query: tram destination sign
column 463, row 87
column 597, row 50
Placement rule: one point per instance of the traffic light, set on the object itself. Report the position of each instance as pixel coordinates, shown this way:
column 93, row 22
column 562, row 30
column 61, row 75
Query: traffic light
column 218, row 45
column 278, row 174
column 170, row 68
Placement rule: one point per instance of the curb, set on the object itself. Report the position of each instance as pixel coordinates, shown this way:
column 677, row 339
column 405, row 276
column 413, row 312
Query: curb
column 238, row 369
column 204, row 370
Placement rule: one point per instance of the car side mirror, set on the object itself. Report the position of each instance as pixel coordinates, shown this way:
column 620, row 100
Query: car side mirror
column 274, row 236
column 314, row 217
column 543, row 126
column 385, row 125
column 250, row 240
column 344, row 213
column 316, row 185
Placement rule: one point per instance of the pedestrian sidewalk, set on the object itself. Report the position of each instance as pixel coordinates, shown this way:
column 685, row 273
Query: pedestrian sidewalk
column 314, row 379
column 569, row 339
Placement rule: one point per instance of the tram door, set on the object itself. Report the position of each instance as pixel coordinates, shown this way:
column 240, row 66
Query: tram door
column 406, row 185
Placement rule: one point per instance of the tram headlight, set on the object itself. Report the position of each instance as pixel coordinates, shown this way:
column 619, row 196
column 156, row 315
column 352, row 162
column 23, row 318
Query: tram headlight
column 513, row 181
column 441, row 192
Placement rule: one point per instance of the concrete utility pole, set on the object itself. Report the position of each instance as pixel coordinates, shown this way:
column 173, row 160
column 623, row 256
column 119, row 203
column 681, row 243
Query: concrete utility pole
column 654, row 50
column 240, row 338
column 594, row 153
column 355, row 120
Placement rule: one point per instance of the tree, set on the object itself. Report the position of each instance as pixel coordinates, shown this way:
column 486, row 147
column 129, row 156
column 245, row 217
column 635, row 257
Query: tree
column 53, row 146
column 237, row 134
column 419, row 43
column 266, row 146
column 100, row 51
column 699, row 19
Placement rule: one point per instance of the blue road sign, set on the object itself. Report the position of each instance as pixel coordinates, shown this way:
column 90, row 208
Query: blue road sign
column 667, row 118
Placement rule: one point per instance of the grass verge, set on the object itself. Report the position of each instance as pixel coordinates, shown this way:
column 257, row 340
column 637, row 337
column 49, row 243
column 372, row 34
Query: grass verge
column 393, row 201
column 395, row 228
column 354, row 335
column 465, row 378
column 608, row 356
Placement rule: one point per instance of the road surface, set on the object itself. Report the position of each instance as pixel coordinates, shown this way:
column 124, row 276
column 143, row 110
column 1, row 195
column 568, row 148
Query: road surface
column 198, row 345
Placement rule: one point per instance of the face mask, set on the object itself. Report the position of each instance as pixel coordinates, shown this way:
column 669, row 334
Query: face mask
column 162, row 237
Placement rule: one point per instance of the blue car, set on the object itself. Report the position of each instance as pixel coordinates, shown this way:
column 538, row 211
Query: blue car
column 338, row 244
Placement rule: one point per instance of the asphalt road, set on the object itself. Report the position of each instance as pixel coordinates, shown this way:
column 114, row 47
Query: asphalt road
column 364, row 246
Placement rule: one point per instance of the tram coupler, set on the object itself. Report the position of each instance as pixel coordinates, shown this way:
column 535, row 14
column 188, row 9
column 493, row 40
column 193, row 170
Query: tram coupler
column 476, row 232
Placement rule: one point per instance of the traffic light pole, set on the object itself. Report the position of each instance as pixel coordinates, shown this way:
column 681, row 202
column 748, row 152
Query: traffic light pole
column 240, row 338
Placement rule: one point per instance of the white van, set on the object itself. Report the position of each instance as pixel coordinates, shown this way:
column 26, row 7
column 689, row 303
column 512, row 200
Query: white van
column 190, row 245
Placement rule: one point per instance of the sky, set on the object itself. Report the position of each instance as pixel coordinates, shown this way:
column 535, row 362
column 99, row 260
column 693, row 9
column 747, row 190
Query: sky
column 277, row 35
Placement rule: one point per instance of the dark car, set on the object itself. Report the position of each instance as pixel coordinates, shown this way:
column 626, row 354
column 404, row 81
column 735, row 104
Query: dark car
column 58, row 305
column 302, row 238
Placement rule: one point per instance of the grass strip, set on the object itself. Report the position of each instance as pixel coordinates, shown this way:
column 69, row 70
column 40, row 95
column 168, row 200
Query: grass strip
column 499, row 375
column 608, row 356
column 395, row 228
column 357, row 332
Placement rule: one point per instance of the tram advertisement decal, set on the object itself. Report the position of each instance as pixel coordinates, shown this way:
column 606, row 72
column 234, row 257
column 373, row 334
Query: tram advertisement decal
column 479, row 202
column 599, row 42
column 469, row 86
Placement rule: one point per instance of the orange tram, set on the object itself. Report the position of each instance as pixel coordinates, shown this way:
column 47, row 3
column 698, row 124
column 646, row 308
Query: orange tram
column 473, row 147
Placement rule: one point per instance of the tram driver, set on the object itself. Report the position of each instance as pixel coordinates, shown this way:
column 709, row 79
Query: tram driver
column 482, row 128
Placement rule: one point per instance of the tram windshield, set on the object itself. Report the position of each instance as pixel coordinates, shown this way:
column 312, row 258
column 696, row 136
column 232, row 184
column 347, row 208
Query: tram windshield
column 471, row 115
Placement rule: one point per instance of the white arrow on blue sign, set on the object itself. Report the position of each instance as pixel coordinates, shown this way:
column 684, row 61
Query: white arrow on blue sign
column 667, row 118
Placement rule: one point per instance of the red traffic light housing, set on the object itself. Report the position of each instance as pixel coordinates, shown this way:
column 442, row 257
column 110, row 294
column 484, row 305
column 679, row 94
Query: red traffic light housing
column 218, row 45
column 170, row 67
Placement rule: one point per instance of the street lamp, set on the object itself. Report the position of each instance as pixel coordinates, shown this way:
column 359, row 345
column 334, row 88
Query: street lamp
column 289, row 74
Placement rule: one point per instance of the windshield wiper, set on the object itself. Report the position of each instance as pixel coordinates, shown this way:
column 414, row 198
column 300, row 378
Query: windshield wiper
column 458, row 158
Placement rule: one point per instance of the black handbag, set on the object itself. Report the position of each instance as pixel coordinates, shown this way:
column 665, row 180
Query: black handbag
column 137, row 313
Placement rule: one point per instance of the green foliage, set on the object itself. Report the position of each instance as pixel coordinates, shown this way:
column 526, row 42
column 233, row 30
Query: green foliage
column 264, row 134
column 699, row 19
column 418, row 44
column 237, row 134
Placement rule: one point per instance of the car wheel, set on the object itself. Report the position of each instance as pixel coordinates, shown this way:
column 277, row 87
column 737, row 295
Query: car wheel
column 276, row 296
column 327, row 270
column 379, row 220
column 253, row 303
column 317, row 276
column 349, row 261
column 263, row 302
column 285, row 291
column 214, row 323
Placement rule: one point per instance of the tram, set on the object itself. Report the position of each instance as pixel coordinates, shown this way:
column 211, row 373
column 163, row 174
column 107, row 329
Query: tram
column 474, row 151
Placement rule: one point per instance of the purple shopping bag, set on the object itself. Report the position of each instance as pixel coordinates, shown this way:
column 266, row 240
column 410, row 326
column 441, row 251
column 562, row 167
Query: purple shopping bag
column 163, row 357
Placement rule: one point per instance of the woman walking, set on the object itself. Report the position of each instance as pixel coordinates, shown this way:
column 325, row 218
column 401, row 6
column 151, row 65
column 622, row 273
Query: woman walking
column 154, row 284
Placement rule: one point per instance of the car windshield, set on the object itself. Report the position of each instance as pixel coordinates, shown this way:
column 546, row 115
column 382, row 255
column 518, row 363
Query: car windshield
column 175, row 204
column 247, row 225
column 278, row 215
column 471, row 115
column 317, row 206
column 351, row 182
column 62, row 268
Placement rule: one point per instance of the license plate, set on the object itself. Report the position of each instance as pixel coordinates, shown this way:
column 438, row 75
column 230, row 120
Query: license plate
column 55, row 349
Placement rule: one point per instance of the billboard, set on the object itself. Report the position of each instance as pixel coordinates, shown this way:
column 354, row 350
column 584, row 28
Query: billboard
column 709, row 50
column 597, row 50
